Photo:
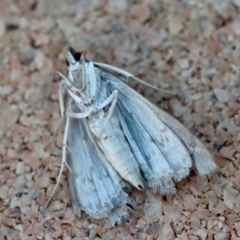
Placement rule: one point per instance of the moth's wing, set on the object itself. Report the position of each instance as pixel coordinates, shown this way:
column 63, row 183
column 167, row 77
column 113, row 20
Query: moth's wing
column 95, row 187
column 161, row 155
column 201, row 157
column 147, row 127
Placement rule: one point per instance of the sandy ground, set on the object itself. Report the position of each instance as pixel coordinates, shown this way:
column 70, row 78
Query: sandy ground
column 190, row 47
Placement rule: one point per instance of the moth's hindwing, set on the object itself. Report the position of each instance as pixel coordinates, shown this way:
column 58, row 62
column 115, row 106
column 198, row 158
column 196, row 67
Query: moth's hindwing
column 95, row 186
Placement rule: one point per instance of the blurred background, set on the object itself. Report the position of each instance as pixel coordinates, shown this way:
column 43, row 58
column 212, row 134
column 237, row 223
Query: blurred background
column 188, row 47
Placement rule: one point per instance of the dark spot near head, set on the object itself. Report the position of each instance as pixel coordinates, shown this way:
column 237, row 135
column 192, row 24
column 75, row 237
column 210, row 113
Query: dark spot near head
column 76, row 55
column 87, row 104
column 18, row 195
column 130, row 206
column 34, row 6
column 11, row 27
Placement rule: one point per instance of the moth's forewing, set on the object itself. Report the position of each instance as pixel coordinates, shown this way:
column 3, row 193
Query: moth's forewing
column 201, row 157
column 95, row 186
column 178, row 146
column 155, row 168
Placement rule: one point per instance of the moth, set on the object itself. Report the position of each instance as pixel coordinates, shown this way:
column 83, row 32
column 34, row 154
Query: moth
column 115, row 139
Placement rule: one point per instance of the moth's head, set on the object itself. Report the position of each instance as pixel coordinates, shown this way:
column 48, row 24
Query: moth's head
column 76, row 67
column 73, row 56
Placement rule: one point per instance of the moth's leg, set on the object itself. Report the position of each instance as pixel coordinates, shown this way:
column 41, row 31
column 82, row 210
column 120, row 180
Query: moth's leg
column 64, row 162
column 130, row 75
column 61, row 93
column 68, row 83
column 108, row 100
column 71, row 114
column 112, row 106
column 78, row 115
column 62, row 109
column 112, row 99
column 72, row 91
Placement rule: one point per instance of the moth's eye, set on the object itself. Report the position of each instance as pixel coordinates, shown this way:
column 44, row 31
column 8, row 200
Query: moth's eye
column 67, row 62
column 75, row 54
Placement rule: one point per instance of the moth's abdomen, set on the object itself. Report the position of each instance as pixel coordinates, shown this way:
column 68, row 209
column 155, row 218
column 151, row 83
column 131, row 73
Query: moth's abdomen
column 116, row 149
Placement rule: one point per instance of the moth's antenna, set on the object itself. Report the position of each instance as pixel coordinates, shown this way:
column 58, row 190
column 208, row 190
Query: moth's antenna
column 151, row 86
column 130, row 75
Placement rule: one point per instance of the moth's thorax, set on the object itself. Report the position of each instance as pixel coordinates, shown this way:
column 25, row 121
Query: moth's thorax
column 85, row 78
